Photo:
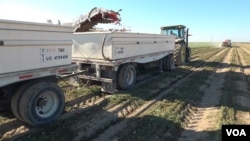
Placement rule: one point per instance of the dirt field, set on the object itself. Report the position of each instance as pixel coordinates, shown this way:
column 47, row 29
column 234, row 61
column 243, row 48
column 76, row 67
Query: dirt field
column 189, row 103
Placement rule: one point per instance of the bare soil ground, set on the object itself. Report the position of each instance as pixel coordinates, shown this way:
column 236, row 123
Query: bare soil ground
column 205, row 116
column 187, row 104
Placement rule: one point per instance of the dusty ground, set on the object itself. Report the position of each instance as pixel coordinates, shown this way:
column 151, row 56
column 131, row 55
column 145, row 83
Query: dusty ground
column 205, row 116
column 97, row 119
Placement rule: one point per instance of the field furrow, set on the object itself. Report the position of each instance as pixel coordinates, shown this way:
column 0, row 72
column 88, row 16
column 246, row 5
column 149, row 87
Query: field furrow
column 113, row 132
column 204, row 119
column 188, row 103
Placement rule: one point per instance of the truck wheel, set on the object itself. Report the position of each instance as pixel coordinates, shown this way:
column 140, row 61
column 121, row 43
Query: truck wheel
column 188, row 57
column 168, row 63
column 126, row 76
column 179, row 54
column 15, row 101
column 41, row 103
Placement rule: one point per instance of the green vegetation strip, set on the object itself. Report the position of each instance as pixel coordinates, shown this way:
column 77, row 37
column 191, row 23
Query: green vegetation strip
column 231, row 87
column 156, row 123
column 245, row 55
column 230, row 90
column 166, row 116
column 169, row 110
column 204, row 50
column 204, row 44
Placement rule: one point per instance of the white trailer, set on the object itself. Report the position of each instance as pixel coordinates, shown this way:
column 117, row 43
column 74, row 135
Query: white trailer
column 113, row 58
column 32, row 55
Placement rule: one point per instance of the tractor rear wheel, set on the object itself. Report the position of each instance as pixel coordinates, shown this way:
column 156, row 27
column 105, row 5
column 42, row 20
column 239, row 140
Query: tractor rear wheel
column 180, row 54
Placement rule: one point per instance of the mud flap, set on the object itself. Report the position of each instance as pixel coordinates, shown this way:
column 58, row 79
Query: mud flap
column 4, row 105
column 108, row 87
column 74, row 81
column 188, row 55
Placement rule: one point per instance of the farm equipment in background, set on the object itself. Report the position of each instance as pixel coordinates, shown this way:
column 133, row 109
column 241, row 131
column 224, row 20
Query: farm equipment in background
column 182, row 52
column 226, row 43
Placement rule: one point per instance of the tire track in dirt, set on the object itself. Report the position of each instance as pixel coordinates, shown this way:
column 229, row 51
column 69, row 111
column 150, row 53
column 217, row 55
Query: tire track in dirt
column 205, row 117
column 114, row 115
column 120, row 111
column 243, row 61
column 203, row 51
column 110, row 133
column 195, row 55
column 243, row 99
column 117, row 117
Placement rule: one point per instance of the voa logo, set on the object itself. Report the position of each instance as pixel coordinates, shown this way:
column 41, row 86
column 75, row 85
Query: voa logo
column 236, row 132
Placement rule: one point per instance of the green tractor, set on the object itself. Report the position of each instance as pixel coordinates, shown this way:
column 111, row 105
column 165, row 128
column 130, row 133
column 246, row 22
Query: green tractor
column 182, row 53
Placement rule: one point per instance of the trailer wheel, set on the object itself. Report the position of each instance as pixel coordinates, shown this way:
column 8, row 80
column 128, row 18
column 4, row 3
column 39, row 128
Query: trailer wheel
column 180, row 54
column 126, row 76
column 168, row 63
column 41, row 103
column 15, row 100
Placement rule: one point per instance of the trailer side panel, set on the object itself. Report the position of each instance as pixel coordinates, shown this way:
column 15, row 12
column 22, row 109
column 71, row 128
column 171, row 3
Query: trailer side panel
column 119, row 45
column 27, row 46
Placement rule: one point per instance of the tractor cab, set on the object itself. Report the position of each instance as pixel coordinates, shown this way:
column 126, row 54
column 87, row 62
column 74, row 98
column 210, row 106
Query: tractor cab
column 177, row 30
column 182, row 52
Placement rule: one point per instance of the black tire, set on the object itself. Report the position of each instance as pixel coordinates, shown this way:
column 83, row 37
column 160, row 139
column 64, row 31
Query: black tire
column 4, row 105
column 15, row 100
column 188, row 56
column 4, row 99
column 168, row 63
column 126, row 77
column 41, row 103
column 180, row 54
